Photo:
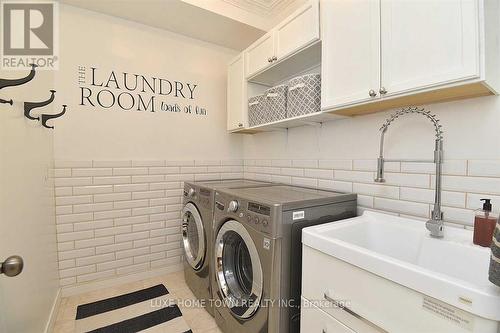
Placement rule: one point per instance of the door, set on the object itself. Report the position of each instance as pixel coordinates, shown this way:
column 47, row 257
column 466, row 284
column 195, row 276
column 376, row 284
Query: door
column 27, row 221
column 297, row 31
column 259, row 55
column 238, row 270
column 350, row 64
column 193, row 236
column 236, row 94
column 428, row 43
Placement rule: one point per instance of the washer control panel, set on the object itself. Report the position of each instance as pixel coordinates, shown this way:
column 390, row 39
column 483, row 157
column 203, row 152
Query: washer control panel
column 257, row 215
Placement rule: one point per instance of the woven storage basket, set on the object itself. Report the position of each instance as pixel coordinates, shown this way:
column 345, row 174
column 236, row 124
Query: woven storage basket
column 275, row 103
column 256, row 108
column 304, row 95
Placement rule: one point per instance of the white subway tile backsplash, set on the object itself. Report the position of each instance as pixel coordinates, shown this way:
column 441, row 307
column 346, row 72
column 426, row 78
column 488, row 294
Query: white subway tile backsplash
column 384, row 191
column 484, row 168
column 112, row 214
column 450, row 167
column 96, row 207
column 407, row 179
column 129, row 220
column 335, row 185
column 87, row 172
column 148, row 179
column 131, row 204
column 353, row 176
column 114, row 264
column 73, row 200
column 281, row 179
column 63, row 191
column 92, row 189
column 164, row 170
column 112, row 197
column 371, row 165
column 281, row 163
column 129, row 171
column 130, row 187
column 474, row 201
column 455, row 199
column 306, row 182
column 470, row 184
column 295, row 172
column 365, row 201
column 76, row 181
column 403, row 207
column 72, row 218
column 318, row 173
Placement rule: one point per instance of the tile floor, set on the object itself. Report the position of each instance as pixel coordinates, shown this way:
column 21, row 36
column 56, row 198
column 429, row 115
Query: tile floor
column 197, row 319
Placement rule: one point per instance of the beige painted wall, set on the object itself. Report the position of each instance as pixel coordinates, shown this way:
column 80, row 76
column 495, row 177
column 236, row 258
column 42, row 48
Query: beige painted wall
column 108, row 43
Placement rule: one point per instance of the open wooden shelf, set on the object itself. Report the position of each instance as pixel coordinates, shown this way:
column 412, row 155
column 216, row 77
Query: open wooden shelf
column 312, row 119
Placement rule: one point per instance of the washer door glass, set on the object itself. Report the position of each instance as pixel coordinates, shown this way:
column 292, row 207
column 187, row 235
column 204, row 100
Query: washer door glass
column 193, row 236
column 238, row 270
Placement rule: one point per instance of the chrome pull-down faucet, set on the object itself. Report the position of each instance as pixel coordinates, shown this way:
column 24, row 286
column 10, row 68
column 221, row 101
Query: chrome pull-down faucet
column 435, row 224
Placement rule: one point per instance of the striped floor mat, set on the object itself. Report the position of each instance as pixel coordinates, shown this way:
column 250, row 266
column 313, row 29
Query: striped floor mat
column 150, row 310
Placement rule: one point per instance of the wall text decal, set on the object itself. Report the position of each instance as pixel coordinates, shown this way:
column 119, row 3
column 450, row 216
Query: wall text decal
column 135, row 92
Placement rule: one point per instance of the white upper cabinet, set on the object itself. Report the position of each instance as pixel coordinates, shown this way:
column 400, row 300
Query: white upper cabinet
column 428, row 43
column 236, row 94
column 298, row 30
column 260, row 54
column 408, row 52
column 350, row 56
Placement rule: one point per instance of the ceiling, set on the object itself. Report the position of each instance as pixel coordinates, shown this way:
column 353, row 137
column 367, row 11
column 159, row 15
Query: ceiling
column 234, row 24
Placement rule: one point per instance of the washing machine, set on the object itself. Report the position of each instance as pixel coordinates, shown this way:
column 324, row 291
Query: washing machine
column 257, row 262
column 197, row 219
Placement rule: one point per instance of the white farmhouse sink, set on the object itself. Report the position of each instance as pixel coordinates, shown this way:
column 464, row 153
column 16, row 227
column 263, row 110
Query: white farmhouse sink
column 450, row 269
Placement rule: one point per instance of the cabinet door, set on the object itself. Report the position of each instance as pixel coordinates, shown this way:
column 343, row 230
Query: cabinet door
column 236, row 94
column 259, row 53
column 350, row 60
column 428, row 43
column 314, row 320
column 298, row 30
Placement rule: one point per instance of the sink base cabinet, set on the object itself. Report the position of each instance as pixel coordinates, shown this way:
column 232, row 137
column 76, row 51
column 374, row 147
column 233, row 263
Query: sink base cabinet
column 378, row 304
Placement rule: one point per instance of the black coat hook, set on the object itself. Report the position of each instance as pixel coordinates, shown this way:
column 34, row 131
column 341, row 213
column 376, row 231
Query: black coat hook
column 28, row 106
column 4, row 101
column 46, row 117
column 16, row 82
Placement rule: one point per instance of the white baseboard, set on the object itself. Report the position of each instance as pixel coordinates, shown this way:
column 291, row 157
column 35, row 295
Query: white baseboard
column 49, row 328
column 116, row 281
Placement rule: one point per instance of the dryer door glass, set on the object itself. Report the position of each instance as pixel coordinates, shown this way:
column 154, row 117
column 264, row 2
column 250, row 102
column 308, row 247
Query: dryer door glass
column 193, row 236
column 238, row 269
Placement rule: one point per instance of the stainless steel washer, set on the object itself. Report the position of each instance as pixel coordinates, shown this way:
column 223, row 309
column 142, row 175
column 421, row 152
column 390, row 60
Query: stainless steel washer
column 257, row 262
column 197, row 233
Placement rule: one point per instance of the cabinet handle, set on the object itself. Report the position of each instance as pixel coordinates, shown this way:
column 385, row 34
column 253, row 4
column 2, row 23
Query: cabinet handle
column 269, row 59
column 382, row 91
column 240, row 125
column 274, row 58
column 340, row 305
column 372, row 93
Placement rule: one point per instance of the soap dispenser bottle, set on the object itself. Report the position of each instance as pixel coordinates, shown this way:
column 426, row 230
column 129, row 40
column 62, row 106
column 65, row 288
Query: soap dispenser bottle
column 484, row 224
